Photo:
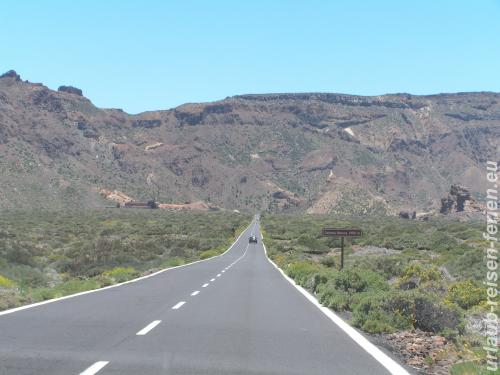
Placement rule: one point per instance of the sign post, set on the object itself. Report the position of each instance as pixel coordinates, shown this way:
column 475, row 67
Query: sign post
column 335, row 232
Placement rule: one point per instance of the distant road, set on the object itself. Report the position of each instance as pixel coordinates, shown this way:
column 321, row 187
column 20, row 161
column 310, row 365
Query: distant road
column 233, row 314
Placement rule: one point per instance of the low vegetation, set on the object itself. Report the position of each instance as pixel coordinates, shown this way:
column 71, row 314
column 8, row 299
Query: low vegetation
column 401, row 275
column 45, row 255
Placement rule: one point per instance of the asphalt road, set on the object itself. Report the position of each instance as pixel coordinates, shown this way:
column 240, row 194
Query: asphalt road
column 234, row 314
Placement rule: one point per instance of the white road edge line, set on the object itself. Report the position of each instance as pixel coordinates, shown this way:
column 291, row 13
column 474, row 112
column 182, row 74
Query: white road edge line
column 212, row 279
column 195, row 293
column 386, row 361
column 241, row 257
column 204, row 285
column 94, row 369
column 179, row 305
column 148, row 328
column 20, row 308
column 218, row 275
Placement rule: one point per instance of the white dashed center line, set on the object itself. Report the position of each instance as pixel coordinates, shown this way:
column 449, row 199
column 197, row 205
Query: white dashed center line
column 179, row 305
column 94, row 369
column 148, row 328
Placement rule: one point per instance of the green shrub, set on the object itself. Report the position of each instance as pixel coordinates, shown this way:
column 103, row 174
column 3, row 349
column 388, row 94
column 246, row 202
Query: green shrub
column 355, row 280
column 6, row 283
column 64, row 289
column 21, row 254
column 418, row 271
column 407, row 241
column 465, row 294
column 9, row 300
column 43, row 294
column 121, row 274
column 172, row 262
column 329, row 261
column 32, row 279
column 467, row 265
column 350, row 281
column 103, row 280
column 377, row 326
column 312, row 244
column 375, row 313
column 333, row 298
column 407, row 309
column 307, row 275
column 387, row 266
column 343, row 289
column 433, row 316
column 75, row 286
column 442, row 241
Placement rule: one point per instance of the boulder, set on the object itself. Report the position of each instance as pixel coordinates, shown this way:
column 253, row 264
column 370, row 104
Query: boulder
column 280, row 195
column 408, row 215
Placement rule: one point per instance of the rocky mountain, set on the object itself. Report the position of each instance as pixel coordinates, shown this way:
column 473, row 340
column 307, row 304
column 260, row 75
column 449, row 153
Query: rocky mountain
column 318, row 152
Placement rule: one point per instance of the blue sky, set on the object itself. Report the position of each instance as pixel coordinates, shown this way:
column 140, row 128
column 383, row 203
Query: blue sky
column 147, row 55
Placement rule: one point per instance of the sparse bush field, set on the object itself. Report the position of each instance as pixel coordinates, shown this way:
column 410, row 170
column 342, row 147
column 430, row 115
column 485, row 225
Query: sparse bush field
column 45, row 255
column 401, row 275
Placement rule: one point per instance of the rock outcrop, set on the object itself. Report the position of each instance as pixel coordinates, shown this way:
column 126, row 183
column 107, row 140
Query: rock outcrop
column 11, row 74
column 459, row 200
column 70, row 90
column 318, row 160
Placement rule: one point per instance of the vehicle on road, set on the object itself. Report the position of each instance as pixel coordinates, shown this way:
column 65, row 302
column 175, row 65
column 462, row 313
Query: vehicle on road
column 252, row 239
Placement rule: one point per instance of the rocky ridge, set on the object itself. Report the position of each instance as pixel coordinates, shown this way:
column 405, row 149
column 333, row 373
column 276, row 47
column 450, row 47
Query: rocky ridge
column 319, row 152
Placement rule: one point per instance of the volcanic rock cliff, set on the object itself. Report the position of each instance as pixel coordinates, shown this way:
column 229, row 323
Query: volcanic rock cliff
column 319, row 152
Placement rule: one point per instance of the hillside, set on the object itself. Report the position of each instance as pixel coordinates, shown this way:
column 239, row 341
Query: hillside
column 314, row 151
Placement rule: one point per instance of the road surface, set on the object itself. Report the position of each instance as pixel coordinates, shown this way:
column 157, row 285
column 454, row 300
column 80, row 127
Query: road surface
column 233, row 314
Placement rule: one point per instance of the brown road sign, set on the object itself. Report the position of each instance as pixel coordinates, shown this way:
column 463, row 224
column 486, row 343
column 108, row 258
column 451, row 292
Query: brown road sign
column 334, row 232
column 344, row 232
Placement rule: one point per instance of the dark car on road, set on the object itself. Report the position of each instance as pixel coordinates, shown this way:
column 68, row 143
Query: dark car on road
column 252, row 239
